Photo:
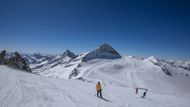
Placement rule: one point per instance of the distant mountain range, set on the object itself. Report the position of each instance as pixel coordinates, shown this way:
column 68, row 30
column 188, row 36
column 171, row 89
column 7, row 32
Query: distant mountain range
column 71, row 66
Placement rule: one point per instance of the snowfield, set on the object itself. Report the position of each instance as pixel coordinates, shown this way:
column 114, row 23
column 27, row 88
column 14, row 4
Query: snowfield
column 69, row 80
column 119, row 79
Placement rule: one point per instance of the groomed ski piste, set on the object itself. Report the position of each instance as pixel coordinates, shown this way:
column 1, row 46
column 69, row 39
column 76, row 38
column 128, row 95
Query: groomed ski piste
column 119, row 78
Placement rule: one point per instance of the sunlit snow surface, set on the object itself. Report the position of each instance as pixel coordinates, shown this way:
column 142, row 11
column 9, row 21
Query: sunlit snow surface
column 118, row 77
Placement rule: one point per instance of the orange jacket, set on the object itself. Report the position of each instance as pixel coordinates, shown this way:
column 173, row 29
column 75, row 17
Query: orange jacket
column 98, row 87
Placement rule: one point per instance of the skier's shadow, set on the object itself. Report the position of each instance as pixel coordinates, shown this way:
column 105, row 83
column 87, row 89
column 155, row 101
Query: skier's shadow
column 105, row 99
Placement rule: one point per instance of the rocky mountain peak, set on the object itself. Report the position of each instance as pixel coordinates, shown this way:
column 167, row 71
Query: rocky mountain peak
column 14, row 60
column 153, row 59
column 104, row 51
column 69, row 54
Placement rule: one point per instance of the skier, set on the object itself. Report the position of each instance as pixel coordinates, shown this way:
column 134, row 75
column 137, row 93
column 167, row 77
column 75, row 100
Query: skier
column 144, row 94
column 136, row 90
column 99, row 89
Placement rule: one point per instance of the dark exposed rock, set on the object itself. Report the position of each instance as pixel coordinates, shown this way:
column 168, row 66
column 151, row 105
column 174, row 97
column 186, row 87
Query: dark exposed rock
column 18, row 62
column 2, row 58
column 105, row 51
column 15, row 61
column 74, row 73
column 69, row 54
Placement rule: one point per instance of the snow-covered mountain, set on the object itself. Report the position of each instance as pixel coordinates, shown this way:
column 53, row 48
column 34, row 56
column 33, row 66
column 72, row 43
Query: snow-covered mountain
column 71, row 66
column 59, row 66
column 168, row 82
column 34, row 58
column 66, row 64
column 180, row 63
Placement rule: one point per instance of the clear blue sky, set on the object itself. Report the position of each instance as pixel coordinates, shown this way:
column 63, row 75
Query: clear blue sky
column 133, row 27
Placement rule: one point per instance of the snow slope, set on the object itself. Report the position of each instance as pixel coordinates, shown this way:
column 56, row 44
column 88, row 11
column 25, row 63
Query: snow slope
column 136, row 73
column 22, row 89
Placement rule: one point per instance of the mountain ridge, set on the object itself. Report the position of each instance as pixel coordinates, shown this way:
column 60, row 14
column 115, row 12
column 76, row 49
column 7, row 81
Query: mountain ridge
column 70, row 66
